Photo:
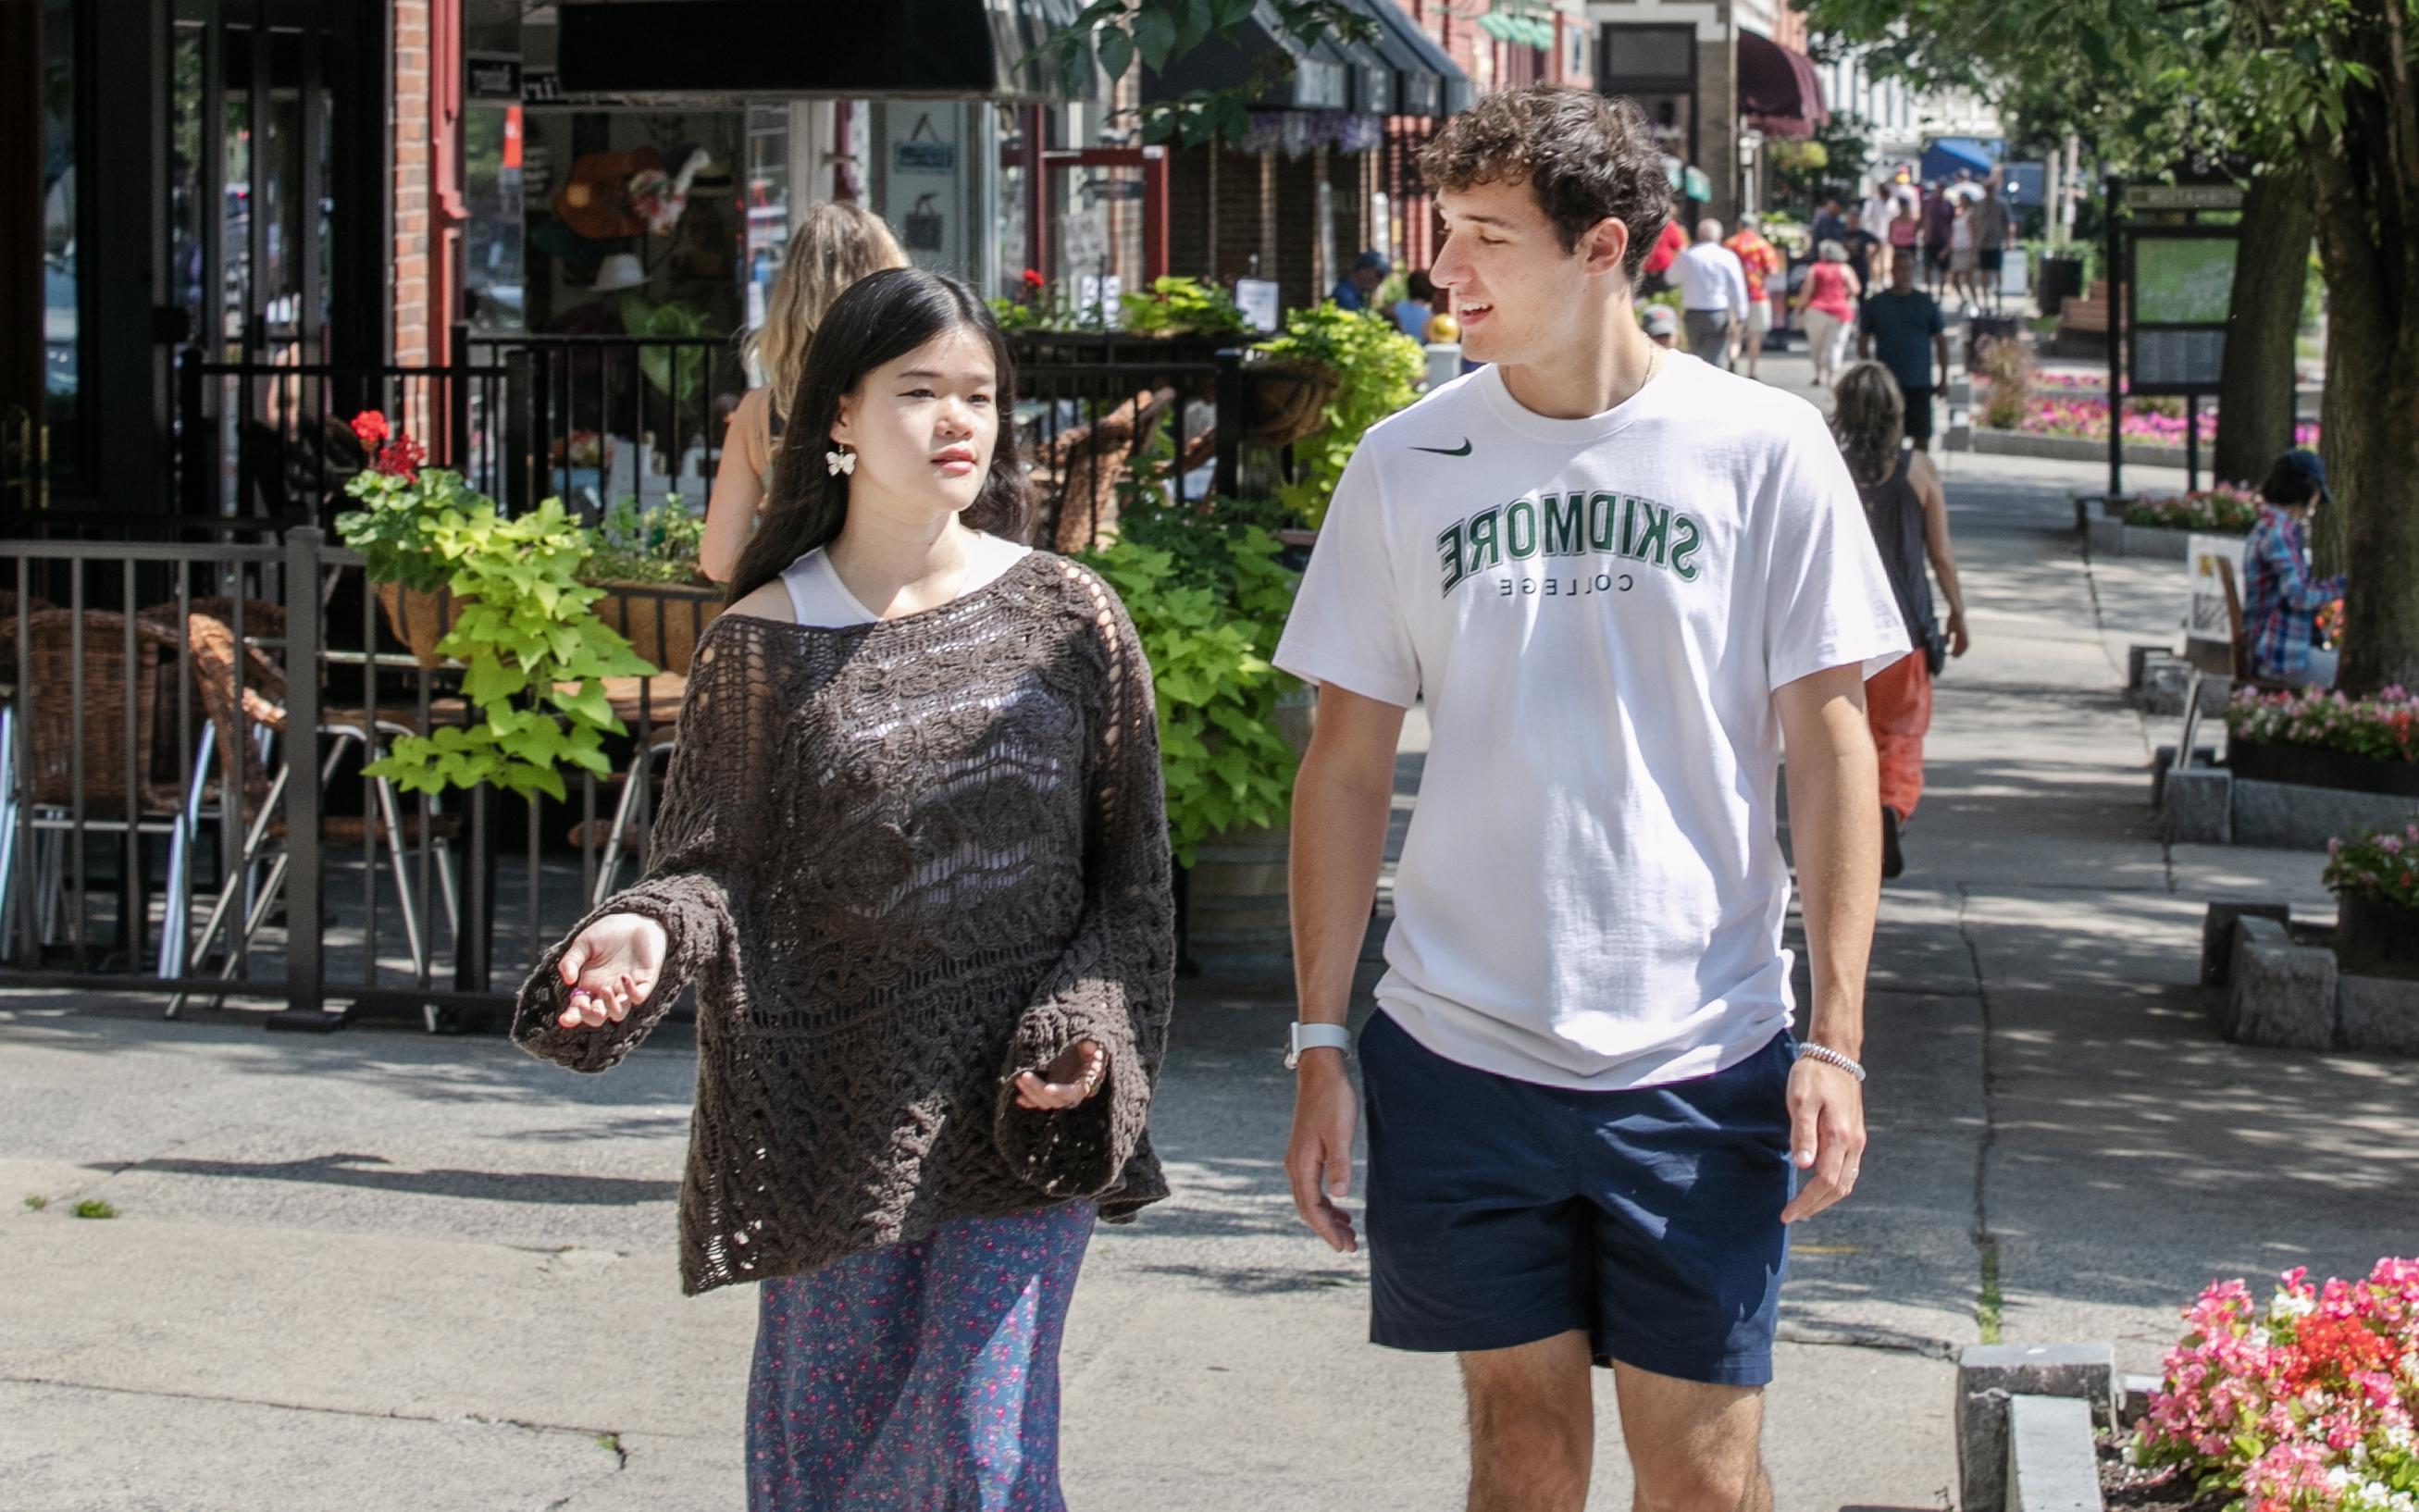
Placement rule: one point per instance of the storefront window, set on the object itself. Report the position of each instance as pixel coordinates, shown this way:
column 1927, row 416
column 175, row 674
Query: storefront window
column 492, row 261
column 766, row 187
column 597, row 255
column 60, row 322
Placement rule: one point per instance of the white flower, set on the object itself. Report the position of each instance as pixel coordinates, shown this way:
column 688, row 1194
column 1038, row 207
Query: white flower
column 2289, row 1305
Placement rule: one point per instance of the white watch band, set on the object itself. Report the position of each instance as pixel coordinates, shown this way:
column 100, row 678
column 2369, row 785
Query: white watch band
column 1316, row 1037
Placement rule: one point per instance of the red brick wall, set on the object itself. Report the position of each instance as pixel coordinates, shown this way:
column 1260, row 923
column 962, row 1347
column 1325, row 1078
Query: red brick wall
column 414, row 243
column 1245, row 217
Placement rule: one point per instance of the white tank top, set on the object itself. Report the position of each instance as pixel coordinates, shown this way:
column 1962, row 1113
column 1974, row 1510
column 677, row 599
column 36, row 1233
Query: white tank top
column 819, row 598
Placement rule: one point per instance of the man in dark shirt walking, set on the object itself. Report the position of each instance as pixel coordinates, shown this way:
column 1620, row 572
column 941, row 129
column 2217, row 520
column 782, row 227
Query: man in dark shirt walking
column 1896, row 324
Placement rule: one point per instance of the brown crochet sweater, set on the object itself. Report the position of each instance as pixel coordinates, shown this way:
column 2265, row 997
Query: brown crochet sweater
column 902, row 862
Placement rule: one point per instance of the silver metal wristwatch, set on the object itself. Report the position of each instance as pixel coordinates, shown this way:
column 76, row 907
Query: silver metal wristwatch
column 1316, row 1037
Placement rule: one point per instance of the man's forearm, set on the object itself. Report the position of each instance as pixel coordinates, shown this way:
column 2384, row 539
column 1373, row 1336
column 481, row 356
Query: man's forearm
column 1836, row 840
column 1339, row 844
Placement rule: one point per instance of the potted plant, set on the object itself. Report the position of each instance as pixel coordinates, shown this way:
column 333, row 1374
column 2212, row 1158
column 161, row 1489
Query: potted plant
column 2375, row 878
column 1375, row 369
column 534, row 654
column 2316, row 739
column 2301, row 1402
column 2221, row 509
column 1181, row 306
column 1208, row 596
column 655, row 595
column 401, row 500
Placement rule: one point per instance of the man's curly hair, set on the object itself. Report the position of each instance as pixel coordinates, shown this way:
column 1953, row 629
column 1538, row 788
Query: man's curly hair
column 1586, row 157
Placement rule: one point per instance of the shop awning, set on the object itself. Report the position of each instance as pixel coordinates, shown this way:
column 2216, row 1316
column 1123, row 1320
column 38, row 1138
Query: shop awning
column 1433, row 83
column 1779, row 92
column 1376, row 86
column 1944, row 156
column 931, row 49
column 1321, row 77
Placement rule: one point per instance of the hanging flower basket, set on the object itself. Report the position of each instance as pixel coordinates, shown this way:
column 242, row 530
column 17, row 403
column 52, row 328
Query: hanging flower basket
column 1286, row 401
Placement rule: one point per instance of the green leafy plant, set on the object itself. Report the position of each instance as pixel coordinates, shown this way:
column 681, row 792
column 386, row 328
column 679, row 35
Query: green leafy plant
column 1176, row 306
column 2009, row 367
column 1208, row 596
column 534, row 656
column 534, row 653
column 674, row 370
column 1378, row 371
column 2382, row 864
column 634, row 544
column 37, row 1202
column 93, row 1208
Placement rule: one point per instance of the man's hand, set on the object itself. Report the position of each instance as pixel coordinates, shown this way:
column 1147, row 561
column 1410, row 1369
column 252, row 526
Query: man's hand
column 1319, row 1157
column 1959, row 642
column 1826, row 1134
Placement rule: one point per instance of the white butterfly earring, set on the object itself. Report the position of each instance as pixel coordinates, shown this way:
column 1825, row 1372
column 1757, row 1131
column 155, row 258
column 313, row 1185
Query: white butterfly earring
column 842, row 460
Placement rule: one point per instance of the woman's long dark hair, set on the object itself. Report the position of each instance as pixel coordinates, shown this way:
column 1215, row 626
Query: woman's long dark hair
column 1869, row 419
column 881, row 317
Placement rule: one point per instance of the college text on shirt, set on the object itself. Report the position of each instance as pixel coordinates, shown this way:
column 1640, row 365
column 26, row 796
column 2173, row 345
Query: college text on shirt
column 1580, row 523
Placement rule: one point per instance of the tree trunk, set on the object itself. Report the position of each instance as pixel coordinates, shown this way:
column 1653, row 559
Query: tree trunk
column 2366, row 180
column 2255, row 396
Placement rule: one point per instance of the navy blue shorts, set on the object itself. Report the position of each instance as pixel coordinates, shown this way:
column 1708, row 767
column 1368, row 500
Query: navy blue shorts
column 1502, row 1211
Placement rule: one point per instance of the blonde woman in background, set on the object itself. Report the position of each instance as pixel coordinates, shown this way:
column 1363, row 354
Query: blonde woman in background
column 838, row 244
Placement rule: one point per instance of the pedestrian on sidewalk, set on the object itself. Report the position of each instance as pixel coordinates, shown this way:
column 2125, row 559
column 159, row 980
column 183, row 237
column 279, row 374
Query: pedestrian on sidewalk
column 1908, row 511
column 1827, row 224
column 1713, row 296
column 2281, row 598
column 914, row 856
column 1905, row 230
column 838, row 244
column 1867, row 257
column 1759, row 261
column 1989, row 213
column 1964, row 261
column 1633, row 576
column 1902, row 327
column 1939, row 239
column 1827, row 304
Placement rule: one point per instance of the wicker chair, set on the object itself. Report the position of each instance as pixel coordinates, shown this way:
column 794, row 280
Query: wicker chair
column 262, row 705
column 77, row 753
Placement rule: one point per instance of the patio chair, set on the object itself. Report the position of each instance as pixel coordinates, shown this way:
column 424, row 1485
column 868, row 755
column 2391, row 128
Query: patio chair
column 263, row 793
column 650, row 706
column 77, row 750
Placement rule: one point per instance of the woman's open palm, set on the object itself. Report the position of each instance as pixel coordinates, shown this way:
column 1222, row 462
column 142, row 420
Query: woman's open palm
column 610, row 969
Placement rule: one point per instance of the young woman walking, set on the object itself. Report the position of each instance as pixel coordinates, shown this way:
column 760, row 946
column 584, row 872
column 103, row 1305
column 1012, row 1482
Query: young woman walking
column 913, row 853
column 1908, row 511
column 840, row 244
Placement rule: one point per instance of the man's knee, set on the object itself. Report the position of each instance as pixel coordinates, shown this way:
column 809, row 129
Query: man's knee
column 1704, row 1484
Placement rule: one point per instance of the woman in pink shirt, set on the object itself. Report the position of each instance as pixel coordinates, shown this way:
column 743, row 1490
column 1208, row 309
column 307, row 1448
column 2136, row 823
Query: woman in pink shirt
column 1826, row 303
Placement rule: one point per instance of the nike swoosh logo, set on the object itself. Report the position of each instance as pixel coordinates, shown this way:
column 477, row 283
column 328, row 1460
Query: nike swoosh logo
column 1463, row 450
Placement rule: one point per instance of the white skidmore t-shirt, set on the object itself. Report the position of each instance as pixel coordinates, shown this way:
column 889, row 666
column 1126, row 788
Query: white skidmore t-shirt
column 1596, row 612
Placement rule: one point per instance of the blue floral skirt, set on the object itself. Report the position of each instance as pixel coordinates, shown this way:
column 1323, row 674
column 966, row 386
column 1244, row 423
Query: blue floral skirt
column 920, row 1378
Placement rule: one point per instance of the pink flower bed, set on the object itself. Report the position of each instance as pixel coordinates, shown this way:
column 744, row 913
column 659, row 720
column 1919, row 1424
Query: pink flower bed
column 2088, row 419
column 2305, row 1405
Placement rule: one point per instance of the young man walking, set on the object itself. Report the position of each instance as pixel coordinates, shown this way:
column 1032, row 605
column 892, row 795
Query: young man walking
column 1617, row 577
column 1903, row 327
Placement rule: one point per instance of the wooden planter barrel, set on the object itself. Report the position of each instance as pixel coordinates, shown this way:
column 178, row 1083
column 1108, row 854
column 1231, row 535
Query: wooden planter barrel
column 2311, row 767
column 1286, row 401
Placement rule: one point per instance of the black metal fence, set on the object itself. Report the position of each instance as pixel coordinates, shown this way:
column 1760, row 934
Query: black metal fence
column 184, row 808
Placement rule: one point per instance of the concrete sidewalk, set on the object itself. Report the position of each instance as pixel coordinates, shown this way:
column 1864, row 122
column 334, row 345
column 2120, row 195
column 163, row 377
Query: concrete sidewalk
column 382, row 1271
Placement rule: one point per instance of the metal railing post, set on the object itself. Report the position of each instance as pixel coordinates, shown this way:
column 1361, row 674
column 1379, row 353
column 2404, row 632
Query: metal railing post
column 1230, row 422
column 190, row 431
column 306, row 962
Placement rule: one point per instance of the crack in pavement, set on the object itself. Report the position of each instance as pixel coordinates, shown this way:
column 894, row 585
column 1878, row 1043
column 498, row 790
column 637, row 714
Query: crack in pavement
column 1887, row 1341
column 397, row 1416
column 1986, row 1245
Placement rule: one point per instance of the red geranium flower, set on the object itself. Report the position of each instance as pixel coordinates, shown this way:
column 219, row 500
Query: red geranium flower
column 401, row 458
column 369, row 428
column 1032, row 279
